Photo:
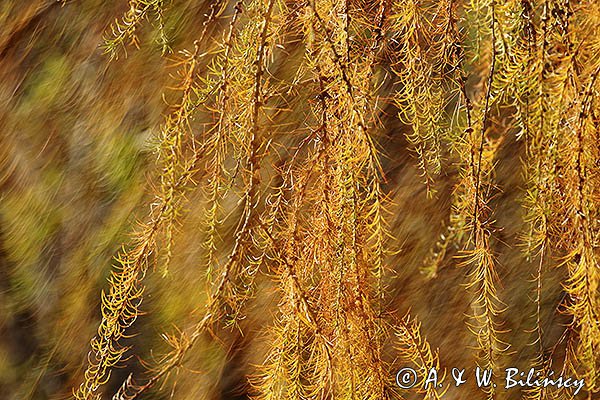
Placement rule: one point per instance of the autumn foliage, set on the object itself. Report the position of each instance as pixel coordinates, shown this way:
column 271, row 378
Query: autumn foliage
column 270, row 199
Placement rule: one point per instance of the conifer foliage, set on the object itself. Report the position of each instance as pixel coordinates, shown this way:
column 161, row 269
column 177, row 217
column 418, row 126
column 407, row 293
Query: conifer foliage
column 277, row 115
